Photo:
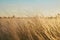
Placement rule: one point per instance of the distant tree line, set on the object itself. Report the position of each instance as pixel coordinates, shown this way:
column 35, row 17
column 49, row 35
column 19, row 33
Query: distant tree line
column 8, row 17
column 57, row 16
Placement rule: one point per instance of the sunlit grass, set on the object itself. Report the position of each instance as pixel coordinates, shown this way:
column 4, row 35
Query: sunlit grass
column 30, row 28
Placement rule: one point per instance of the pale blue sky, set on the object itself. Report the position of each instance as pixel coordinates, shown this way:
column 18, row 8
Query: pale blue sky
column 29, row 7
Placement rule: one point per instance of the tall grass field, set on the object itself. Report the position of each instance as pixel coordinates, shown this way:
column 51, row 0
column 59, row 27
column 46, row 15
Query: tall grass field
column 30, row 28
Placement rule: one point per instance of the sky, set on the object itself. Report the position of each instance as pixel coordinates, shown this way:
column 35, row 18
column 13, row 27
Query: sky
column 29, row 7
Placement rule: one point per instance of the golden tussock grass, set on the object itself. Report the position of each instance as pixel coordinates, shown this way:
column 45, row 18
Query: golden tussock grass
column 33, row 28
